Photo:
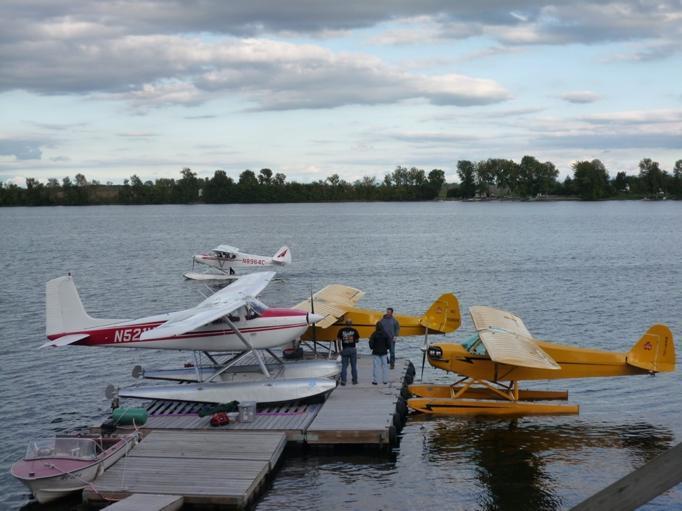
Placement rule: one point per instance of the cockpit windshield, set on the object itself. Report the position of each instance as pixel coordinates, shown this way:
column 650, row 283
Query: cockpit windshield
column 257, row 306
column 475, row 346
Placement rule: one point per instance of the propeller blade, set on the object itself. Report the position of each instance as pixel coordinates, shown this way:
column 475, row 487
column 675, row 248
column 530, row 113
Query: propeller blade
column 424, row 348
column 312, row 310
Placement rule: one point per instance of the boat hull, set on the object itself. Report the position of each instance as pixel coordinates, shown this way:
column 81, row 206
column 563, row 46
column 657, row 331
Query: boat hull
column 264, row 391
column 50, row 479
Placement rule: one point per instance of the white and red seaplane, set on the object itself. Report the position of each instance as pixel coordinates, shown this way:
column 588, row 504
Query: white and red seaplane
column 226, row 258
column 231, row 321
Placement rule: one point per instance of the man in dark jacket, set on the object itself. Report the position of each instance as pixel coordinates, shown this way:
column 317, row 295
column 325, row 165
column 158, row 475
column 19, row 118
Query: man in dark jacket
column 379, row 343
column 347, row 340
column 392, row 329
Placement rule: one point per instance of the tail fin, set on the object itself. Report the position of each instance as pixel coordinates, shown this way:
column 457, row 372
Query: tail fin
column 282, row 256
column 655, row 351
column 443, row 316
column 64, row 311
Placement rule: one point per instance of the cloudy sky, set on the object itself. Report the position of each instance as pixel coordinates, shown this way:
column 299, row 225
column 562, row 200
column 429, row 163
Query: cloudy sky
column 309, row 88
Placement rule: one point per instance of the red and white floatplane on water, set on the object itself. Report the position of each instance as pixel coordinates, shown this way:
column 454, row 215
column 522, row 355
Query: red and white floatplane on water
column 232, row 324
column 226, row 258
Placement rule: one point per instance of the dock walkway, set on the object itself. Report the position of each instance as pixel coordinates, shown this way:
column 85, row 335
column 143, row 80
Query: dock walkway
column 183, row 455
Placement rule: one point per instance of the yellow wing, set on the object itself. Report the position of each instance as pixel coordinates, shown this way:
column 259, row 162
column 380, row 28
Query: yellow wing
column 507, row 340
column 332, row 302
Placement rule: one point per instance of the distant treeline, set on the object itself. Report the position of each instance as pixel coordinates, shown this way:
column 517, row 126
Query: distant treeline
column 590, row 180
column 487, row 178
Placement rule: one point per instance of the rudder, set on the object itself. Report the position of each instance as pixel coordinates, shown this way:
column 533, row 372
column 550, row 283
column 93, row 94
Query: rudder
column 282, row 256
column 655, row 350
column 64, row 311
column 443, row 316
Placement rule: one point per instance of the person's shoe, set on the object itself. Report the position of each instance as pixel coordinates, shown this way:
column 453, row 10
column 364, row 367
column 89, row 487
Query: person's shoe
column 385, row 383
column 392, row 366
column 355, row 383
column 374, row 383
column 343, row 383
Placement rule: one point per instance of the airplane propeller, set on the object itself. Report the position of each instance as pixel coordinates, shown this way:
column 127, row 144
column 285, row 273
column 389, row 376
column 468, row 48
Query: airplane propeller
column 312, row 311
column 424, row 348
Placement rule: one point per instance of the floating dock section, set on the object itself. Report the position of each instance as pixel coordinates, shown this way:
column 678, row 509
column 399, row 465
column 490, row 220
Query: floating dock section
column 183, row 455
column 205, row 467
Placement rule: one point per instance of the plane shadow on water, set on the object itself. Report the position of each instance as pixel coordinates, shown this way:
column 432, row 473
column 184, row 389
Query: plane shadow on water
column 522, row 464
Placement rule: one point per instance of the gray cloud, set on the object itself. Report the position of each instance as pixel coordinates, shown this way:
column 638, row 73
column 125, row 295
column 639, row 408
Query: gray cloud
column 156, row 70
column 22, row 149
column 580, row 97
column 146, row 51
column 603, row 141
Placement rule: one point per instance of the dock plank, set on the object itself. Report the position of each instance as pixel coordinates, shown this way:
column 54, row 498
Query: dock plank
column 148, row 502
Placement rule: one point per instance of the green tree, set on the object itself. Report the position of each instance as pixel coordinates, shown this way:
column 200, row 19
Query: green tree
column 650, row 176
column 536, row 178
column 677, row 179
column 265, row 176
column 467, row 183
column 219, row 188
column 187, row 188
column 591, row 180
column 620, row 183
column 436, row 181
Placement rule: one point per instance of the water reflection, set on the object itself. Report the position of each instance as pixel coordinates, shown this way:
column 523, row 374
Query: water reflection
column 523, row 464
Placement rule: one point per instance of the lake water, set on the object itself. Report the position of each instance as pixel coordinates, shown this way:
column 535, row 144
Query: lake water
column 593, row 274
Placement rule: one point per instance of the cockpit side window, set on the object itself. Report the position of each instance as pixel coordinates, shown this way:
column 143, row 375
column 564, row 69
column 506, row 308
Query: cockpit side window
column 475, row 346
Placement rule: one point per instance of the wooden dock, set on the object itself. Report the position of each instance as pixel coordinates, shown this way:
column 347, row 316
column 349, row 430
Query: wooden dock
column 364, row 413
column 205, row 467
column 353, row 414
column 183, row 455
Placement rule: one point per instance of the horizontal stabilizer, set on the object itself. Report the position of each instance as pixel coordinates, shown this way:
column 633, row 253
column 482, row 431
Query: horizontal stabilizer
column 65, row 340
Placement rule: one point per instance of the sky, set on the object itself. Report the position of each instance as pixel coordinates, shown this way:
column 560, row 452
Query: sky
column 354, row 88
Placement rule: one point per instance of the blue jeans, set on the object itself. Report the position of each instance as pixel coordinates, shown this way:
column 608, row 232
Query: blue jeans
column 392, row 350
column 379, row 369
column 349, row 356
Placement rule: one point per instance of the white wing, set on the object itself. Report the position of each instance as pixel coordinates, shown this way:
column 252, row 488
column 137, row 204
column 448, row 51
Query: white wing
column 507, row 340
column 332, row 302
column 220, row 304
column 226, row 248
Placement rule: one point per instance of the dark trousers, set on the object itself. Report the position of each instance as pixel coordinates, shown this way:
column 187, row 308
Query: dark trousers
column 391, row 359
column 349, row 356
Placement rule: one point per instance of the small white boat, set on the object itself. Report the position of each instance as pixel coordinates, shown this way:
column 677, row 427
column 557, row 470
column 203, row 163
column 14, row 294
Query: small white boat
column 54, row 467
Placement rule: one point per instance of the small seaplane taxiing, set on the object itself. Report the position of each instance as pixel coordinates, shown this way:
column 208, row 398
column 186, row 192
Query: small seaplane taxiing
column 231, row 320
column 226, row 258
column 503, row 352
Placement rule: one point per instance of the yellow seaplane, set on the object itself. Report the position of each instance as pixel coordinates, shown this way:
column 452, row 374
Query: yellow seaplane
column 337, row 303
column 503, row 352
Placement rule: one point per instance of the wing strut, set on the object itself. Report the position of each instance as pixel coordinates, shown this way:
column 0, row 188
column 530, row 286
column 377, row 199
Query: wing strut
column 249, row 346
